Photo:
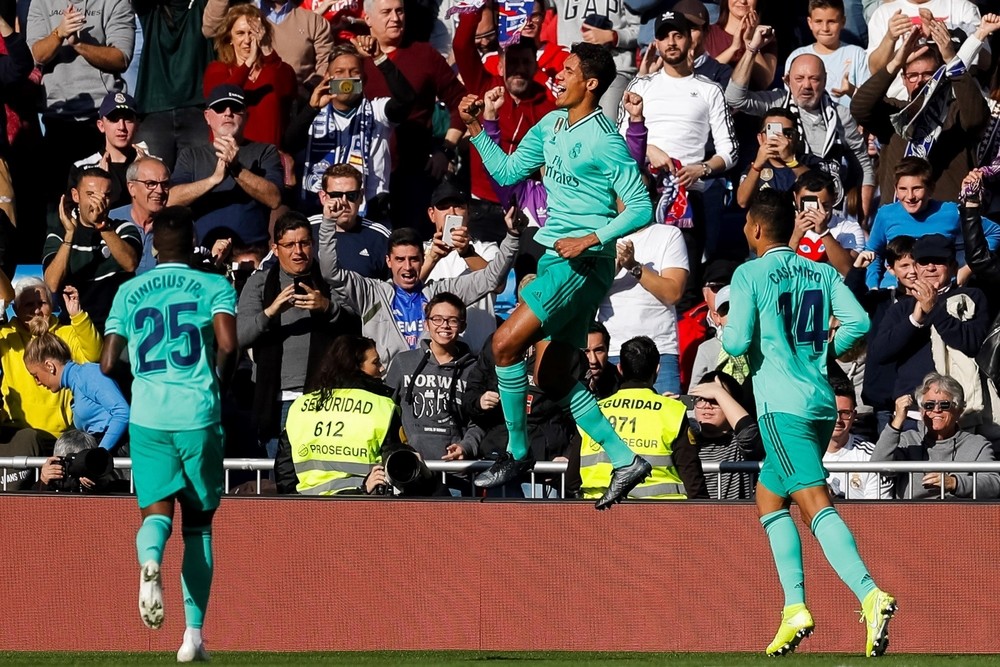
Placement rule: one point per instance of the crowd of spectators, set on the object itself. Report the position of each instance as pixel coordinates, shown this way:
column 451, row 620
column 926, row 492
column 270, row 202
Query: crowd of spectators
column 320, row 149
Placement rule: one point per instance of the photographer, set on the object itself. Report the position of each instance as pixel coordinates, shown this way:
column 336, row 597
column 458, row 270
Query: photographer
column 80, row 466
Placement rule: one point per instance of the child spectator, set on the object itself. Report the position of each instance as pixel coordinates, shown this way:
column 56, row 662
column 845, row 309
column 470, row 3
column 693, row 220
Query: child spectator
column 846, row 64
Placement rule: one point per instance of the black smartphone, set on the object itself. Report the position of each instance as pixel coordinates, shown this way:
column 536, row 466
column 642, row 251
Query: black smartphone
column 599, row 21
column 298, row 283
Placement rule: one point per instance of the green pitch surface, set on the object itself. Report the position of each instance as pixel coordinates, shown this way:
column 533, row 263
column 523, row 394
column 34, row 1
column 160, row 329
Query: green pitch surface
column 485, row 658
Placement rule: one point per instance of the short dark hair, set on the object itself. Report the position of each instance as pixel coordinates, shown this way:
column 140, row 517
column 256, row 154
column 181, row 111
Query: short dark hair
column 345, row 49
column 732, row 385
column 779, row 112
column 173, row 231
column 836, row 5
column 90, row 172
column 597, row 327
column 289, row 221
column 897, row 248
column 341, row 171
column 524, row 43
column 914, row 166
column 404, row 236
column 596, row 63
column 932, row 53
column 815, row 180
column 448, row 298
column 773, row 210
column 842, row 386
column 639, row 359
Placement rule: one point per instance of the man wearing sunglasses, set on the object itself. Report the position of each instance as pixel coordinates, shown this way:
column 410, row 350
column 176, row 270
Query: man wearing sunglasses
column 941, row 400
column 231, row 184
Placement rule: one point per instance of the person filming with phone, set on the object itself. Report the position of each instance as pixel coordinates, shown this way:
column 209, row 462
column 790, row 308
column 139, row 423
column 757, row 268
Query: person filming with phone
column 821, row 234
column 776, row 164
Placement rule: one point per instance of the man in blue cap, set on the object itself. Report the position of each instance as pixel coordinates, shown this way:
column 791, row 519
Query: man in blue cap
column 118, row 121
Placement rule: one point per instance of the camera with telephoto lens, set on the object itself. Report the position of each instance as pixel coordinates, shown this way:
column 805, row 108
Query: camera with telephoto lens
column 405, row 470
column 95, row 464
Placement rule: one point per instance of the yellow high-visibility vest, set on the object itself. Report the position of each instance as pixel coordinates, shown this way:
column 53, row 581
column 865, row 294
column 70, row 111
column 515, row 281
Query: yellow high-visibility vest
column 335, row 442
column 648, row 423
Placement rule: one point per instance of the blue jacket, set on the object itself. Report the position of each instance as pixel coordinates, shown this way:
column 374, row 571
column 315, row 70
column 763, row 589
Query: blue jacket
column 98, row 404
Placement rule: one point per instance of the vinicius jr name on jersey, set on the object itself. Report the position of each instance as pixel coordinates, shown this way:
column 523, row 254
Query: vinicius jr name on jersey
column 169, row 281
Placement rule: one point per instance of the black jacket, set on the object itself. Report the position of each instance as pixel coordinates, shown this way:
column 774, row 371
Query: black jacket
column 986, row 268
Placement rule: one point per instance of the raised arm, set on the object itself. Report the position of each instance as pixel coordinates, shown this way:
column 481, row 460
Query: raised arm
column 505, row 169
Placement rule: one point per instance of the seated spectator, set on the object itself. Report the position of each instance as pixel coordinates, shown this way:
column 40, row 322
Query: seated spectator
column 458, row 255
column 90, row 251
column 346, row 128
column 942, row 122
column 98, row 407
column 602, row 377
column 26, row 404
column 653, row 426
column 826, row 130
column 726, row 432
column 776, row 165
column 246, row 60
column 728, row 39
column 302, row 38
column 916, row 213
column 939, row 327
column 846, row 64
column 329, row 446
column 821, row 234
column 361, row 242
column 941, row 400
column 118, row 122
column 429, row 383
column 393, row 311
column 654, row 270
column 231, row 184
column 148, row 182
column 287, row 318
column 710, row 357
column 847, row 446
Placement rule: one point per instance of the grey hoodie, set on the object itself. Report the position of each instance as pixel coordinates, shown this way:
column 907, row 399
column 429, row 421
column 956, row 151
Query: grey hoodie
column 430, row 398
column 962, row 447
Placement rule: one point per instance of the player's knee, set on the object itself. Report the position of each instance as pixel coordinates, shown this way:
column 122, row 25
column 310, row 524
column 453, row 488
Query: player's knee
column 505, row 353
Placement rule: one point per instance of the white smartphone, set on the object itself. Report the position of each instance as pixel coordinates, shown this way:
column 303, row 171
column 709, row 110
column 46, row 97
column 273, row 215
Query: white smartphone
column 451, row 222
column 774, row 129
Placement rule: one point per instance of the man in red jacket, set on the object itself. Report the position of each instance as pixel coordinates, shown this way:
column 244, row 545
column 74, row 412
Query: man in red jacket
column 525, row 102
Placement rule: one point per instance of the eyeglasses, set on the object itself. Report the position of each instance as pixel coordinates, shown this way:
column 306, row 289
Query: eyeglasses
column 450, row 204
column 222, row 107
column 351, row 195
column 302, row 245
column 440, row 321
column 845, row 414
column 701, row 400
column 151, row 185
column 918, row 76
column 936, row 406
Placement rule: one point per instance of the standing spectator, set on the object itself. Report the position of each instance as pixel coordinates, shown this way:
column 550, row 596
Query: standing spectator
column 287, row 318
column 118, row 122
column 846, row 65
column 682, row 113
column 729, row 38
column 90, row 251
column 459, row 255
column 347, row 128
column 726, row 432
column 247, row 60
column 231, row 184
column 704, row 64
column 301, row 37
column 601, row 378
column 611, row 25
column 846, row 446
column 174, row 57
column 393, row 312
column 16, row 65
column 523, row 104
column 429, row 384
column 942, row 125
column 642, row 300
column 83, row 53
column 655, row 427
column 549, row 55
column 149, row 188
column 941, row 400
column 362, row 244
column 776, row 165
column 419, row 163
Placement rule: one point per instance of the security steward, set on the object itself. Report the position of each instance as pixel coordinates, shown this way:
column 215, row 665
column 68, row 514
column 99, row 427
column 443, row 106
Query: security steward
column 653, row 426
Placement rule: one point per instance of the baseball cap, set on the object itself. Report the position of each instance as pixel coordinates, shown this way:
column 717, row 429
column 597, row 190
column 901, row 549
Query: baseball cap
column 722, row 299
column 447, row 191
column 933, row 246
column 226, row 92
column 694, row 11
column 719, row 272
column 115, row 101
column 668, row 21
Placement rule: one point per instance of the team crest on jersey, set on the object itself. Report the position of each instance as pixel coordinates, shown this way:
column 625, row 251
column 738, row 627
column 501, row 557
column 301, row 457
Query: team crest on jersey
column 575, row 151
column 766, row 174
column 558, row 126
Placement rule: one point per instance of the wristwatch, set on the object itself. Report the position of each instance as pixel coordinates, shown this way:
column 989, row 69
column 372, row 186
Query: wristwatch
column 706, row 170
column 636, row 271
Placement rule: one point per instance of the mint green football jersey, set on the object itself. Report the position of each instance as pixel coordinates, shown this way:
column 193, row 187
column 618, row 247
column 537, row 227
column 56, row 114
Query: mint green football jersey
column 779, row 314
column 166, row 316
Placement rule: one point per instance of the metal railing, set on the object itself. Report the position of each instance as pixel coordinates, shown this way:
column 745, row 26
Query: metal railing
column 548, row 468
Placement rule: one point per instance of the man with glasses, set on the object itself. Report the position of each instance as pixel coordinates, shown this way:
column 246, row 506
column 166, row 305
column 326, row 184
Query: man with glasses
column 118, row 123
column 148, row 183
column 846, row 446
column 230, row 184
column 287, row 317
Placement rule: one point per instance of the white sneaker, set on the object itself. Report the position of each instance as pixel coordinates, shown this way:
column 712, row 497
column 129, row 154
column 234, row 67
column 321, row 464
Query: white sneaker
column 191, row 652
column 151, row 595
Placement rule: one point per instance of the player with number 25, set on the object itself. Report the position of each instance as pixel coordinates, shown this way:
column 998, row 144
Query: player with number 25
column 780, row 310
